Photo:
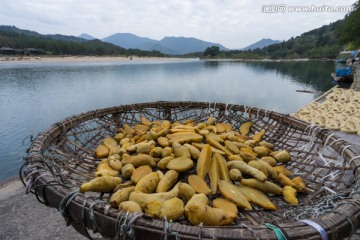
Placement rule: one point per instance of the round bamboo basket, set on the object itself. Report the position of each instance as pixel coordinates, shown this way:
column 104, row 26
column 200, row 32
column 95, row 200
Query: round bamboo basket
column 61, row 158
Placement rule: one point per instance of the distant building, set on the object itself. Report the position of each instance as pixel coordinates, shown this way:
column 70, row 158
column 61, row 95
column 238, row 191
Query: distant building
column 10, row 51
column 31, row 51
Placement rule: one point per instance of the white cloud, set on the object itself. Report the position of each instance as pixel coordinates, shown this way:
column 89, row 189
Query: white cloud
column 232, row 23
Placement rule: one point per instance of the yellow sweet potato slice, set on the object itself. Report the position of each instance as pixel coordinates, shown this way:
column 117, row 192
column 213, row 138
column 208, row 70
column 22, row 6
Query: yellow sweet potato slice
column 261, row 151
column 153, row 207
column 128, row 129
column 223, row 168
column 142, row 198
column 115, row 164
column 235, row 174
column 232, row 146
column 257, row 137
column 214, row 175
column 285, row 181
column 166, row 151
column 196, row 199
column 272, row 173
column 282, row 156
column 185, row 192
column 101, row 151
column 233, row 194
column 162, row 164
column 226, row 205
column 156, row 152
column 220, row 128
column 145, row 121
column 185, row 138
column 167, row 181
column 130, row 206
column 103, row 169
column 210, row 140
column 266, row 144
column 148, row 183
column 172, row 209
column 204, row 161
column 140, row 172
column 180, row 164
column 299, row 184
column 100, row 184
column 194, row 152
column 200, row 146
column 266, row 187
column 180, row 150
column 163, row 141
column 127, row 170
column 201, row 213
column 258, row 198
column 198, row 184
column 290, row 195
column 141, row 128
column 247, row 154
column 110, row 142
column 139, row 160
column 120, row 196
column 283, row 170
column 270, row 160
column 256, row 164
column 246, row 169
column 245, row 128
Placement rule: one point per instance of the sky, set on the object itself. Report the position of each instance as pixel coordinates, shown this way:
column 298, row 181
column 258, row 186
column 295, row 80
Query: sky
column 232, row 23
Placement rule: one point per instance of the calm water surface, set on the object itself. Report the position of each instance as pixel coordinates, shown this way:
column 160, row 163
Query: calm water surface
column 35, row 95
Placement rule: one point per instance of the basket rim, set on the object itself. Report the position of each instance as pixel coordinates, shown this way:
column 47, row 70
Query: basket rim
column 328, row 221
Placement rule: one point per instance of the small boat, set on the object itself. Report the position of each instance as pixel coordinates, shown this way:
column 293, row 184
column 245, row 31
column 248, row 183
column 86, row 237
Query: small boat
column 348, row 78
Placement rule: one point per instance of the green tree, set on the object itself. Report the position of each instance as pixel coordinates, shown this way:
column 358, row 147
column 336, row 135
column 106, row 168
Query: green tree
column 350, row 30
column 211, row 51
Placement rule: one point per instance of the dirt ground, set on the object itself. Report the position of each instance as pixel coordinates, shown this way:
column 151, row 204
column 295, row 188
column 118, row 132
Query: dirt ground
column 23, row 217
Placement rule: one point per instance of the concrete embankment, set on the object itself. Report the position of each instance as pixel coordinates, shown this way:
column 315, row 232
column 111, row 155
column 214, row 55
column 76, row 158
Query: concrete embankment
column 356, row 84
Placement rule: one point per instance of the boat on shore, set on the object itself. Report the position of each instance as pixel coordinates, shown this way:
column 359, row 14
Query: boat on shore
column 347, row 78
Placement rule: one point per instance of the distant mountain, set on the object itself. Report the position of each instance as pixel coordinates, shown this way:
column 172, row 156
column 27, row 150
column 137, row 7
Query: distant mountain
column 183, row 45
column 129, row 40
column 167, row 45
column 86, row 36
column 260, row 44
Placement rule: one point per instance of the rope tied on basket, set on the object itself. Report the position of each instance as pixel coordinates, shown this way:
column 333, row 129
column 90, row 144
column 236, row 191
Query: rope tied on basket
column 201, row 226
column 312, row 132
column 64, row 204
column 131, row 232
column 167, row 230
column 92, row 216
column 317, row 226
column 125, row 229
column 251, row 230
column 279, row 234
column 29, row 180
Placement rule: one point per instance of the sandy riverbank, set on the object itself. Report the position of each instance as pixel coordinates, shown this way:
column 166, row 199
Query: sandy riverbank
column 42, row 59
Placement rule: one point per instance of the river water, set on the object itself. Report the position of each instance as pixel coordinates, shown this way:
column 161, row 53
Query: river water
column 35, row 95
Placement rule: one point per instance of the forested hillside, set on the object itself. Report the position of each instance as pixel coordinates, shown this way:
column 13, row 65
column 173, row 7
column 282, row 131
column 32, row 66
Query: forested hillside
column 15, row 38
column 318, row 43
column 324, row 42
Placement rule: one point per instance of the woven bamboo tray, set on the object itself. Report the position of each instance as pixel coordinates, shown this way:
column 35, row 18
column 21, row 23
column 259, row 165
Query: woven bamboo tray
column 60, row 159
